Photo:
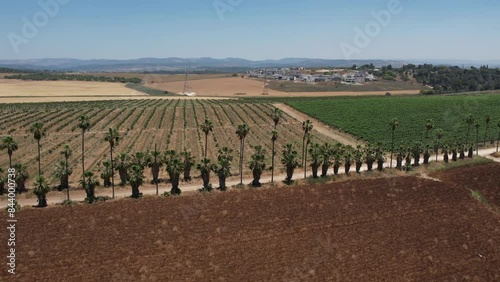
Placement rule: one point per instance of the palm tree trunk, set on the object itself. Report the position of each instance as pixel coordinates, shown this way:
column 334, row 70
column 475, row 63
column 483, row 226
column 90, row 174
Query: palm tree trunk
column 156, row 179
column 39, row 158
column 272, row 164
column 477, row 143
column 392, row 147
column 112, row 172
column 83, row 156
column 10, row 160
column 241, row 160
column 206, row 144
column 305, row 163
column 67, row 189
column 437, row 152
column 485, row 134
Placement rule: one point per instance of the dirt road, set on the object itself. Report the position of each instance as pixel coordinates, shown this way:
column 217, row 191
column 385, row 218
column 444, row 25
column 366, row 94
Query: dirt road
column 319, row 126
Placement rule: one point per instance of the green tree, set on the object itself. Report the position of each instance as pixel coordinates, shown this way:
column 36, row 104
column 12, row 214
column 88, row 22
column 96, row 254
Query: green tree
column 428, row 127
column 188, row 160
column 89, row 183
column 348, row 156
column 112, row 137
column 290, row 160
column 174, row 168
column 154, row 162
column 9, row 144
column 106, row 172
column 359, row 157
column 207, row 127
column 257, row 165
column 84, row 125
column 223, row 166
column 326, row 158
column 316, row 158
column 135, row 176
column 242, row 133
column 276, row 116
column 122, row 165
column 41, row 190
column 21, row 177
column 477, row 125
column 62, row 172
column 393, row 124
column 66, row 153
column 38, row 132
column 205, row 166
column 469, row 120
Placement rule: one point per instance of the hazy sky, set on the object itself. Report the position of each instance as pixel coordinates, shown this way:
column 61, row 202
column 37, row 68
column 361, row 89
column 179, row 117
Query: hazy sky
column 250, row 29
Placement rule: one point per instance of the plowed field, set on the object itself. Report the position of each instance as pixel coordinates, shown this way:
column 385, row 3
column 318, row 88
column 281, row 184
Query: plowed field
column 398, row 229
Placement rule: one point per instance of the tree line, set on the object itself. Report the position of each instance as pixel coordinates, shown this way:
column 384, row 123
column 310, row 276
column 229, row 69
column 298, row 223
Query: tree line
column 49, row 76
column 179, row 165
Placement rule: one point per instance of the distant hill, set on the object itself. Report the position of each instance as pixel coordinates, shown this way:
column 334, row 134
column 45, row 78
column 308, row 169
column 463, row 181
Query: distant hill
column 176, row 64
column 208, row 64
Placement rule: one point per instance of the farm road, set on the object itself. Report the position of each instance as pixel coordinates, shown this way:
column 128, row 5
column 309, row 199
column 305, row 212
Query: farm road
column 319, row 126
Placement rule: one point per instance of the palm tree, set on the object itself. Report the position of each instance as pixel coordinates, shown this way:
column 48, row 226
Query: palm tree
column 379, row 156
column 445, row 154
column 498, row 137
column 487, row 120
column 477, row 125
column 112, row 137
column 66, row 152
column 10, row 144
column 307, row 126
column 62, row 172
column 416, row 151
column 207, row 127
column 153, row 160
column 188, row 164
column 427, row 154
column 326, row 155
column 276, row 116
column 274, row 137
column 315, row 152
column 38, row 132
column 393, row 124
column 140, row 159
column 21, row 177
column 205, row 167
column 348, row 159
column 400, row 157
column 370, row 158
column 257, row 165
column 122, row 165
column 428, row 127
column 439, row 136
column 41, row 190
column 89, row 183
column 174, row 168
column 84, row 125
column 105, row 170
column 135, row 177
column 358, row 158
column 223, row 166
column 289, row 159
column 242, row 133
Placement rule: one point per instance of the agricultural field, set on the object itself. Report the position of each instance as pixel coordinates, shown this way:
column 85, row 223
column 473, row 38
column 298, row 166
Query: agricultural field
column 395, row 229
column 171, row 124
column 246, row 87
column 377, row 86
column 368, row 118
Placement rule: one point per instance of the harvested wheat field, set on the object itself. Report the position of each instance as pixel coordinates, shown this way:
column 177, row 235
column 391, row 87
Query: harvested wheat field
column 397, row 229
column 241, row 87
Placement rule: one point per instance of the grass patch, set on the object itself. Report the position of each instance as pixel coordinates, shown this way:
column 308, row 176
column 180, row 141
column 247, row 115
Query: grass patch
column 478, row 196
column 149, row 91
column 440, row 166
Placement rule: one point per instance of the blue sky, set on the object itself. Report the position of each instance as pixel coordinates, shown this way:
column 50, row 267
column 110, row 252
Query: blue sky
column 251, row 29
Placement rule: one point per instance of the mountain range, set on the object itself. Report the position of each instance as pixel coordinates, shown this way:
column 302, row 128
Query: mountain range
column 203, row 64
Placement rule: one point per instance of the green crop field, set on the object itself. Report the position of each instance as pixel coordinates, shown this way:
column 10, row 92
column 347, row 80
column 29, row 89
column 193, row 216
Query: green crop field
column 368, row 117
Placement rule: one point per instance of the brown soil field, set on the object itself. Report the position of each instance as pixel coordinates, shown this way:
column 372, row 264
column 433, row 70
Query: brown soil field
column 396, row 229
column 484, row 179
column 241, row 87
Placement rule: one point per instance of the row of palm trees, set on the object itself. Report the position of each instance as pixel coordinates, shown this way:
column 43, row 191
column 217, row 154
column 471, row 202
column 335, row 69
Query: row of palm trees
column 130, row 168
